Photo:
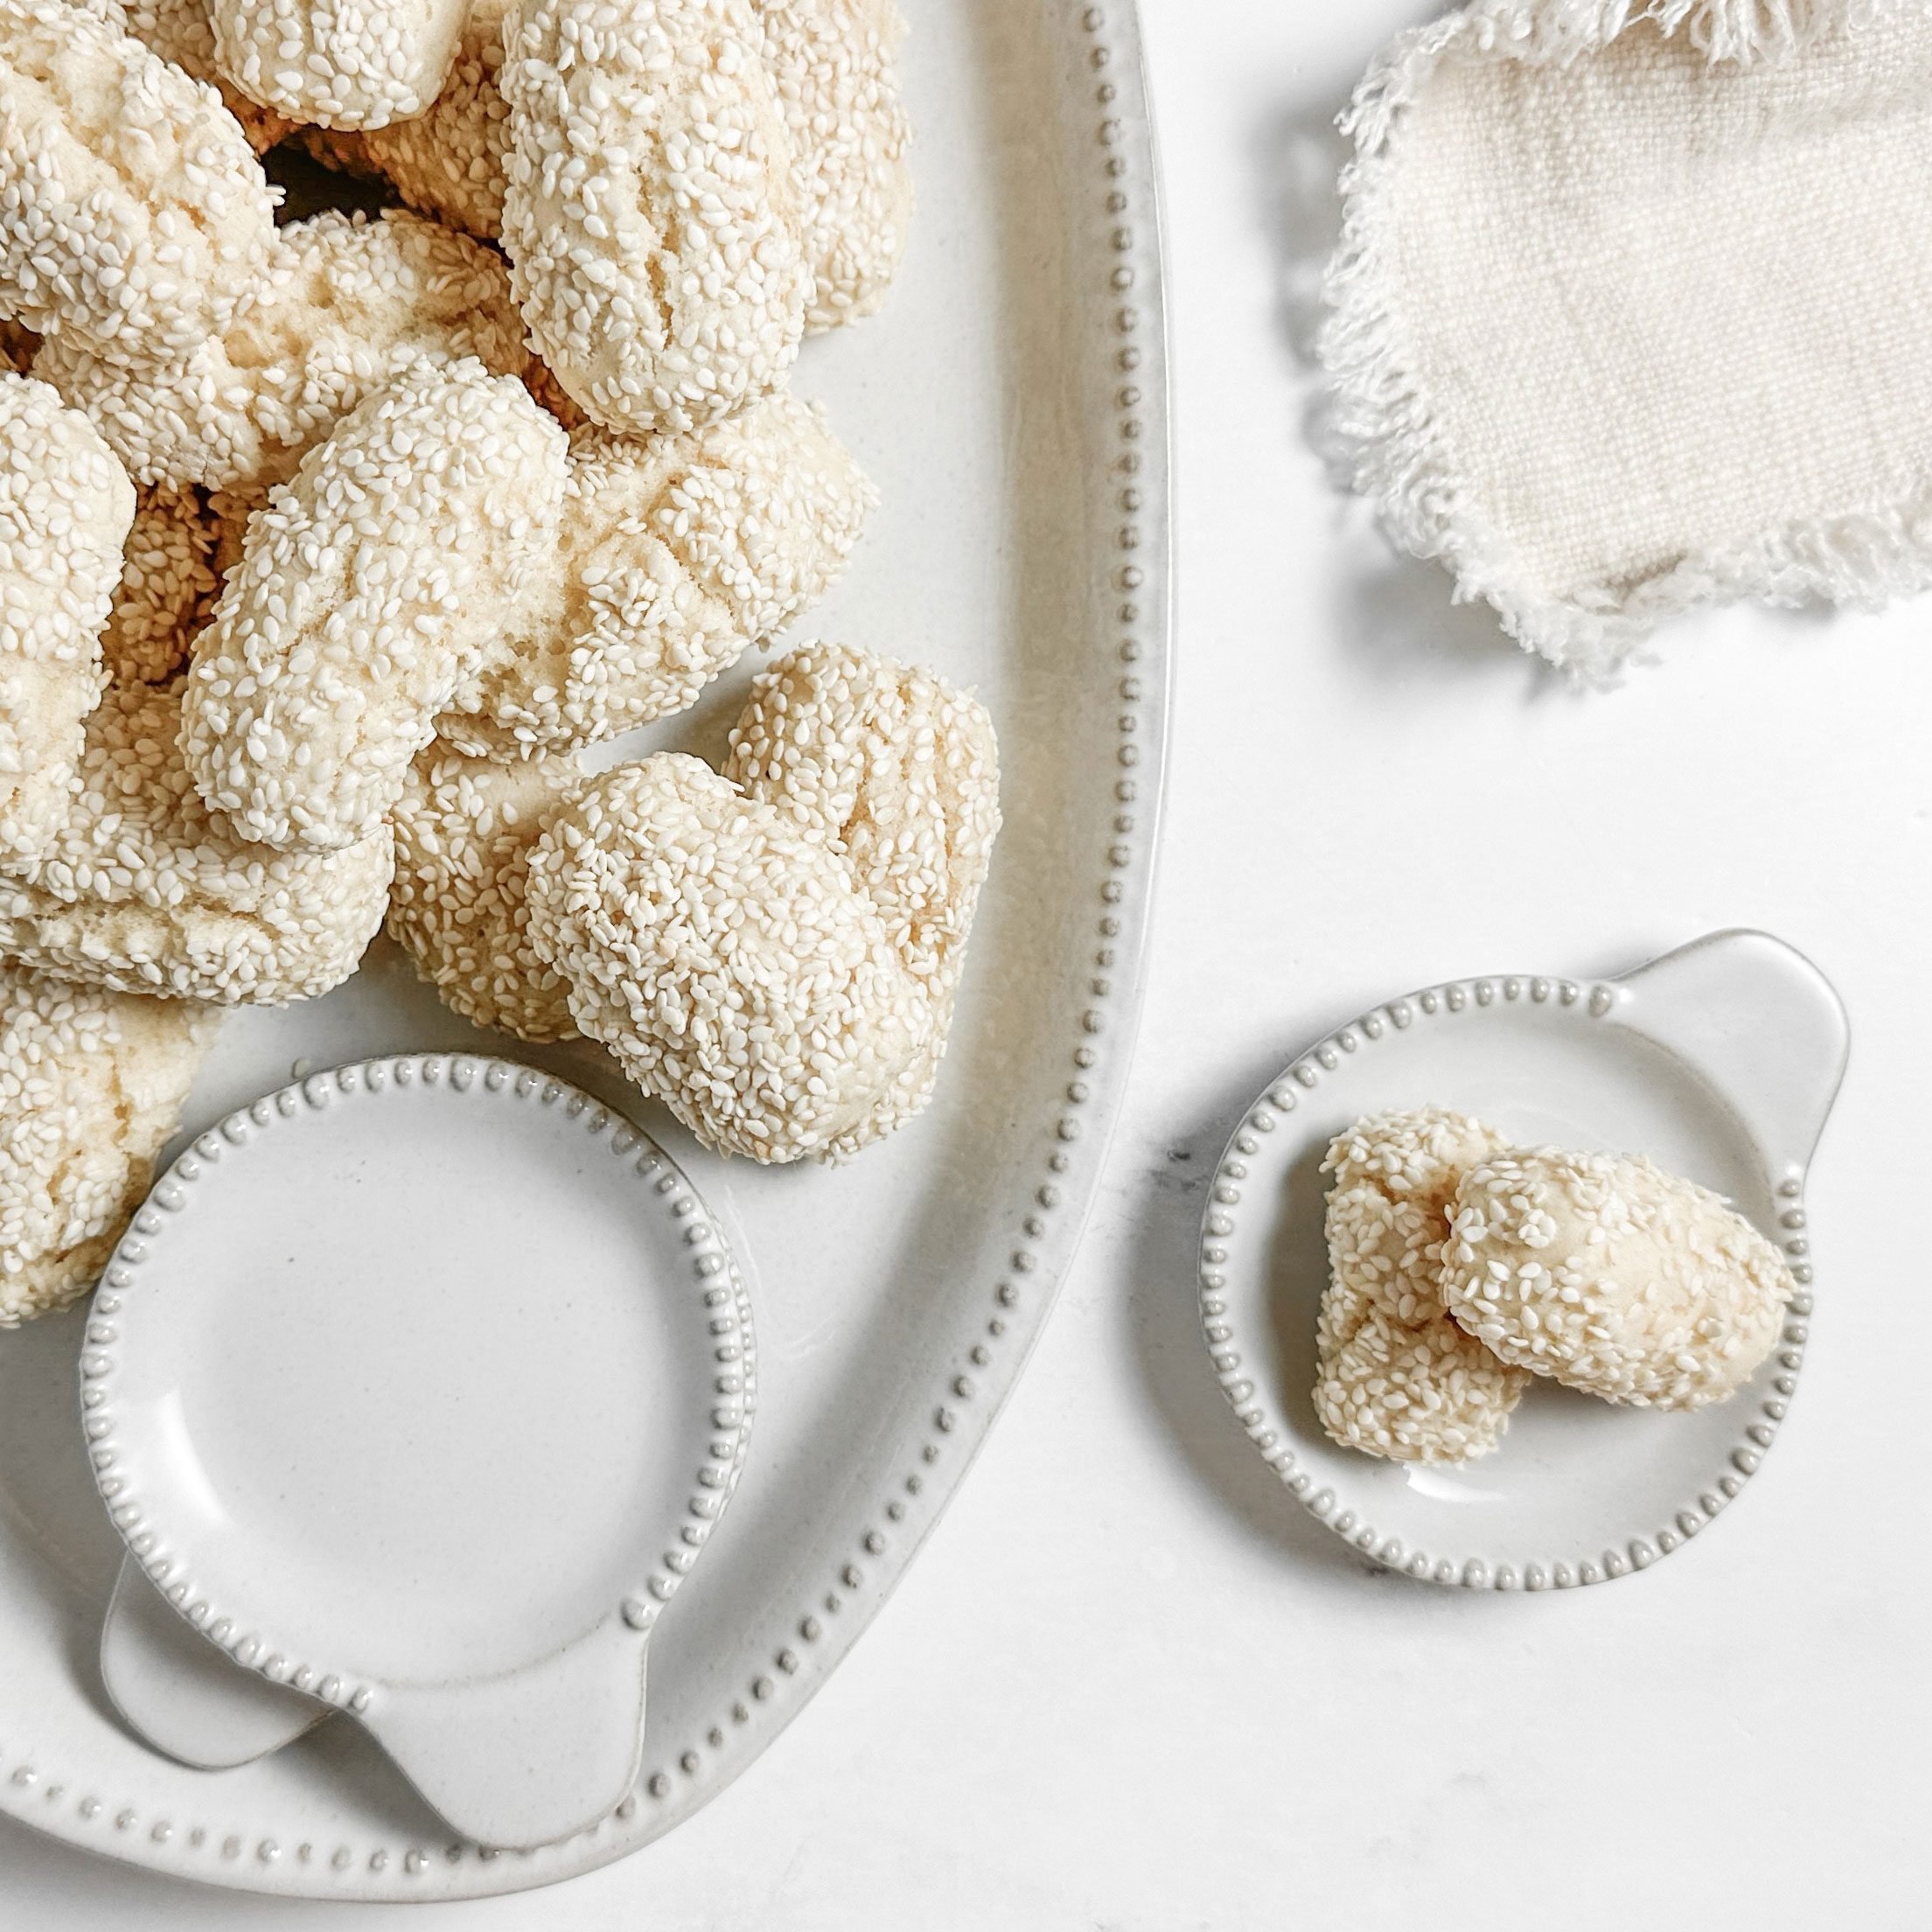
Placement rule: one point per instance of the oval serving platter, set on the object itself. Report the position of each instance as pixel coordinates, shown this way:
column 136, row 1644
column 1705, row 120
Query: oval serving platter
column 1720, row 1061
column 1010, row 404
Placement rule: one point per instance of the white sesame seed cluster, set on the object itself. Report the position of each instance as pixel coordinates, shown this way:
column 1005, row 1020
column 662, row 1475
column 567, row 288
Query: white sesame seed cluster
column 387, row 572
column 536, row 596
column 144, row 890
column 91, row 1083
column 345, row 305
column 776, row 957
column 899, row 772
column 726, row 957
column 65, row 506
column 1614, row 1277
column 640, row 907
column 832, row 68
column 672, row 557
column 168, row 585
column 897, row 769
column 369, row 587
column 832, row 63
column 448, row 161
column 1459, row 1264
column 183, row 32
column 133, row 212
column 1396, row 1377
column 649, row 213
column 339, row 63
column 463, row 830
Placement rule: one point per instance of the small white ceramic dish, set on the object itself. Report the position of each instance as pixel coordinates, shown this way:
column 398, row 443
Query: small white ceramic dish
column 184, row 1696
column 418, row 1387
column 1720, row 1061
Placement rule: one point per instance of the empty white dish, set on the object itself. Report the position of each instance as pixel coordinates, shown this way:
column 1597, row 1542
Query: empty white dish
column 1719, row 1060
column 418, row 1387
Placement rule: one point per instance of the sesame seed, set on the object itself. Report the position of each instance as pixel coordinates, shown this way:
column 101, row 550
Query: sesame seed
column 344, row 306
column 653, row 231
column 1396, row 1377
column 1614, row 1276
column 65, row 506
column 134, row 215
column 142, row 890
column 342, row 66
column 91, row 1083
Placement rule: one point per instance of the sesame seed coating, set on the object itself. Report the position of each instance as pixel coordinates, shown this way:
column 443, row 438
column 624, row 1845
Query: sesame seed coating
column 899, row 772
column 649, row 214
column 133, row 212
column 64, row 508
column 168, row 585
column 347, row 305
column 230, row 511
column 726, row 958
column 341, row 63
column 368, row 589
column 1613, row 1276
column 183, row 32
column 672, row 556
column 91, row 1085
column 1395, row 1377
column 898, row 769
column 448, row 161
column 464, row 829
column 552, row 395
column 832, row 64
column 144, row 891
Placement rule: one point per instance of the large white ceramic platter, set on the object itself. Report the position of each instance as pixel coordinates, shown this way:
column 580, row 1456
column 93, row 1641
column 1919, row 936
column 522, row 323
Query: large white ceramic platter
column 1010, row 403
column 1719, row 1060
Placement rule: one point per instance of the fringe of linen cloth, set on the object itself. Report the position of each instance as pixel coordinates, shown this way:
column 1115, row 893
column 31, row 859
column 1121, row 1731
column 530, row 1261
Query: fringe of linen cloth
column 1632, row 309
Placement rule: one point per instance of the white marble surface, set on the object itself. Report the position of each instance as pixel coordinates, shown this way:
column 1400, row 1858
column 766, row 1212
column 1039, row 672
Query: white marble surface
column 1128, row 1686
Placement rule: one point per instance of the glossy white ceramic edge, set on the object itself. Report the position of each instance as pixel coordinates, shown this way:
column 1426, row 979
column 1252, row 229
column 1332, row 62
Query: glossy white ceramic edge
column 1121, row 265
column 151, row 1668
column 138, row 1504
column 1785, row 1131
column 186, row 1697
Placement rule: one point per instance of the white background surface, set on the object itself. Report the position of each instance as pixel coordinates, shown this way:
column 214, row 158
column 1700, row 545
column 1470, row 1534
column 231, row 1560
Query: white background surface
column 1128, row 1686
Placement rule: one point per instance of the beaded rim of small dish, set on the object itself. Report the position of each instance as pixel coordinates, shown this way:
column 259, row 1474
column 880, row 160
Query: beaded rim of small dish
column 1271, row 1434
column 143, row 1518
column 1116, row 243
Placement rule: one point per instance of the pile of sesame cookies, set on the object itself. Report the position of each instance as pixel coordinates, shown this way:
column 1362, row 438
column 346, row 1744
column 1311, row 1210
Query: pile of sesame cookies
column 1460, row 1265
column 328, row 548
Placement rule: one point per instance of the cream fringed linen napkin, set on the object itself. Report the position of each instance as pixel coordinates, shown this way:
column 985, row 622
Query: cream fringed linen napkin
column 1633, row 308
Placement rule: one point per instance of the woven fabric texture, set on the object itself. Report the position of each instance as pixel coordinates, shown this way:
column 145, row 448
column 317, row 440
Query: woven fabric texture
column 1633, row 309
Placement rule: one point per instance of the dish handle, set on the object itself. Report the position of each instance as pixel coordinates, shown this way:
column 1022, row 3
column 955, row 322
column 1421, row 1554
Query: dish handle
column 523, row 1759
column 182, row 1694
column 1760, row 1022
